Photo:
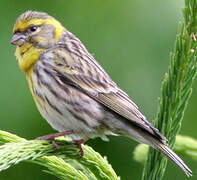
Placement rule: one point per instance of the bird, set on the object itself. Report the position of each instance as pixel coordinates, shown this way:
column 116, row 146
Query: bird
column 73, row 93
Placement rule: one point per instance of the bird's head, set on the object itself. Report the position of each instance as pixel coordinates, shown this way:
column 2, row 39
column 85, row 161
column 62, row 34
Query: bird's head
column 36, row 28
column 33, row 33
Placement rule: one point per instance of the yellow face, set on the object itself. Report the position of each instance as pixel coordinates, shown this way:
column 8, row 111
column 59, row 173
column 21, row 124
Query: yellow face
column 33, row 33
column 34, row 28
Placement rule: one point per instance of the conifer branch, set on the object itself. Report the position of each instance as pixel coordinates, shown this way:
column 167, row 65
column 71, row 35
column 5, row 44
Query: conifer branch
column 65, row 163
column 176, row 89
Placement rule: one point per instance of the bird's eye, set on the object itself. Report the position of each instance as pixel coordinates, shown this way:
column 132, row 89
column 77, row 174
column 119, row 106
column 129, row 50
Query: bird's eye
column 33, row 28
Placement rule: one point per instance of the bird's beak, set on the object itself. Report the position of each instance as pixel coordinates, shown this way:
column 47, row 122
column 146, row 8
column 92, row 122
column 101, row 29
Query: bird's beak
column 18, row 39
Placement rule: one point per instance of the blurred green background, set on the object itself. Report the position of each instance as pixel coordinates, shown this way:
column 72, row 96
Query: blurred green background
column 131, row 39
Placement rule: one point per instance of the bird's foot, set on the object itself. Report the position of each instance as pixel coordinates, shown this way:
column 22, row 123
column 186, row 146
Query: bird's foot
column 79, row 143
column 53, row 136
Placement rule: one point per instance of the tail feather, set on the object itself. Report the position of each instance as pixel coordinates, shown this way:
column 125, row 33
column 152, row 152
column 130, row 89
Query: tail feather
column 157, row 141
column 174, row 157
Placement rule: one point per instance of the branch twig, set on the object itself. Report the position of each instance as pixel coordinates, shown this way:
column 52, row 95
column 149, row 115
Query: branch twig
column 65, row 163
column 176, row 89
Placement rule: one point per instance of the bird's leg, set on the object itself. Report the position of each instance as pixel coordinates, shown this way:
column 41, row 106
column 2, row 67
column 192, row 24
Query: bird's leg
column 79, row 143
column 53, row 136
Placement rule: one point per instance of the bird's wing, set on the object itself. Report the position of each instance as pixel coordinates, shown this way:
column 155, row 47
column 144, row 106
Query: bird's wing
column 83, row 72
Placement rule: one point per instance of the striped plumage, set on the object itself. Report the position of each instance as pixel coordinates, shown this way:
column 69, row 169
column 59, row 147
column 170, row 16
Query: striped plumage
column 72, row 91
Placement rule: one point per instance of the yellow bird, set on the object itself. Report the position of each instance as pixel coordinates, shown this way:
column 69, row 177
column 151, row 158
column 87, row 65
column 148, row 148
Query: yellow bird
column 73, row 92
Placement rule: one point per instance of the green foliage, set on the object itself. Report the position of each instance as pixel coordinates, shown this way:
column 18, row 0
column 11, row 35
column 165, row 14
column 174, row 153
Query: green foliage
column 65, row 163
column 176, row 89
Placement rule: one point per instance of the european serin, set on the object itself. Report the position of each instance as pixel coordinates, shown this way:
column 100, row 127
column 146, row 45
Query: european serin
column 73, row 92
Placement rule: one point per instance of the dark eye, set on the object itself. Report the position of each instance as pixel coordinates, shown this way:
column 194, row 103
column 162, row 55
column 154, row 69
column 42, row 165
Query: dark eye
column 33, row 28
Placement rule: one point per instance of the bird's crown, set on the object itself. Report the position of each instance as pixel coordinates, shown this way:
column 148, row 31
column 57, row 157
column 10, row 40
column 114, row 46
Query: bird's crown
column 35, row 18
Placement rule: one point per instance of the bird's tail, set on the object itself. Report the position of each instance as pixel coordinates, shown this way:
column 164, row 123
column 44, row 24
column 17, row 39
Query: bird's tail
column 158, row 142
column 163, row 148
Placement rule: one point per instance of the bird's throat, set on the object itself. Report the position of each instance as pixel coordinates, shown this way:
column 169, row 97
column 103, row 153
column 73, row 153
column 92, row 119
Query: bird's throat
column 27, row 56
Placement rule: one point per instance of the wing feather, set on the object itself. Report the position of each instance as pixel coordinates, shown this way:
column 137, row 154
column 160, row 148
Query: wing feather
column 85, row 73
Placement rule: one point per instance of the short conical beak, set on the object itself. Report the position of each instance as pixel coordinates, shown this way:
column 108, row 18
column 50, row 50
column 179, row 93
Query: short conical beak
column 18, row 39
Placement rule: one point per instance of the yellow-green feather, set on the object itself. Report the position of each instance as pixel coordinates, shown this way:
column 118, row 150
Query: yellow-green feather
column 27, row 54
column 21, row 25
